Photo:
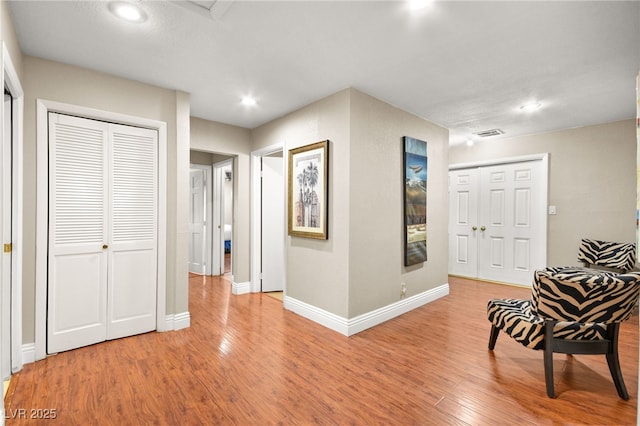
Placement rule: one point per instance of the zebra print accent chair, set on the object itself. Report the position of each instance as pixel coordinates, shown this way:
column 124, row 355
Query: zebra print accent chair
column 572, row 310
column 618, row 256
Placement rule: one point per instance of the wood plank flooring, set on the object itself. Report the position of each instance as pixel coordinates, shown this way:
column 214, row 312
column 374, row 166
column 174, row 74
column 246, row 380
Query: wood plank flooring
column 247, row 361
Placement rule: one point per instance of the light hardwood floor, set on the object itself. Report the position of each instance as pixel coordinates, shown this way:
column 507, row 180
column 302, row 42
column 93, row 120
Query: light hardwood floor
column 247, row 361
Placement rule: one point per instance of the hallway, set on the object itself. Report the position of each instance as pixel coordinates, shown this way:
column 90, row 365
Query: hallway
column 245, row 360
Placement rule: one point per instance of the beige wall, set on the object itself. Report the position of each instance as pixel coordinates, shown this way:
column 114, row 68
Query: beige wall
column 592, row 181
column 72, row 85
column 376, row 186
column 360, row 267
column 218, row 138
column 199, row 157
column 318, row 270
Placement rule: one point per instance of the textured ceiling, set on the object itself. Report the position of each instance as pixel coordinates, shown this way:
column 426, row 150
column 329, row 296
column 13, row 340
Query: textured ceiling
column 467, row 66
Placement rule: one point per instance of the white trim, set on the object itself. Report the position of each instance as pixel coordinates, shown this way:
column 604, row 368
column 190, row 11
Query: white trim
column 256, row 214
column 217, row 217
column 349, row 327
column 496, row 161
column 12, row 82
column 240, row 288
column 177, row 321
column 43, row 107
column 208, row 204
column 28, row 353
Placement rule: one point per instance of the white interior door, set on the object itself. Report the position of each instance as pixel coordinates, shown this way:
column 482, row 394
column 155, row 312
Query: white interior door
column 273, row 219
column 512, row 209
column 197, row 216
column 497, row 222
column 77, row 292
column 222, row 201
column 5, row 264
column 133, row 227
column 463, row 222
column 102, row 231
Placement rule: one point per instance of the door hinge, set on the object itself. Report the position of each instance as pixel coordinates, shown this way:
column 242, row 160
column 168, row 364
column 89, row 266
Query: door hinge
column 260, row 276
column 8, row 247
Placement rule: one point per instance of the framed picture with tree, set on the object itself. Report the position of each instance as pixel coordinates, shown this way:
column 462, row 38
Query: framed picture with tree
column 308, row 190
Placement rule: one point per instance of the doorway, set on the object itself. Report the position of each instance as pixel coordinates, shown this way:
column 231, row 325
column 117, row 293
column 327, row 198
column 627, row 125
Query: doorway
column 43, row 108
column 273, row 229
column 11, row 348
column 497, row 220
column 200, row 206
column 6, row 230
column 222, row 217
column 268, row 216
column 211, row 213
column 103, row 231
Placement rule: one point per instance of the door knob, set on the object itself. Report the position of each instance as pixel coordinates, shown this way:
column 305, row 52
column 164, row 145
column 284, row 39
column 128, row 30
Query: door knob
column 105, row 246
column 482, row 228
column 475, row 228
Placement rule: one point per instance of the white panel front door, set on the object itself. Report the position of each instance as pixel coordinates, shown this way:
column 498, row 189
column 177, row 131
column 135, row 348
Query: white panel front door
column 197, row 221
column 497, row 225
column 463, row 222
column 273, row 219
column 102, row 231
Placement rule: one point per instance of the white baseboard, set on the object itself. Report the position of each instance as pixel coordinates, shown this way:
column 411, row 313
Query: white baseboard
column 172, row 323
column 322, row 317
column 177, row 321
column 28, row 353
column 362, row 322
column 241, row 288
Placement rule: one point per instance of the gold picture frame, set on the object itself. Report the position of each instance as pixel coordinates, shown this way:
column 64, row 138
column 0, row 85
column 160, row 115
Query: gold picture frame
column 308, row 198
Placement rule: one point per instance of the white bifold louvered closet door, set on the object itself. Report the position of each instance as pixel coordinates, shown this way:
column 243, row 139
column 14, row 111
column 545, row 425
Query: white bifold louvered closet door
column 102, row 279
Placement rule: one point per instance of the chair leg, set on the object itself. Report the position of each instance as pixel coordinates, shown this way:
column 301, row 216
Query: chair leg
column 493, row 337
column 548, row 357
column 614, row 362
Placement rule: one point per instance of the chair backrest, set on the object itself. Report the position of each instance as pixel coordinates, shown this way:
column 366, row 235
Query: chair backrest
column 621, row 256
column 582, row 295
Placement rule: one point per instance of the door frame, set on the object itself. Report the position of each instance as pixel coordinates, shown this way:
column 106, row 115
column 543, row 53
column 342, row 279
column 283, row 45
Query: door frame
column 43, row 107
column 544, row 172
column 217, row 220
column 11, row 81
column 256, row 215
column 208, row 183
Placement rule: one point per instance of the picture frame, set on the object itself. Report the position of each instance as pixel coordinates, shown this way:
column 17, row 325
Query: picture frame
column 308, row 197
column 415, row 200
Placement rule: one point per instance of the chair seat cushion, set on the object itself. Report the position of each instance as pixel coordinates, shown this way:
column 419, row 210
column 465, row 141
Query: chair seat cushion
column 516, row 318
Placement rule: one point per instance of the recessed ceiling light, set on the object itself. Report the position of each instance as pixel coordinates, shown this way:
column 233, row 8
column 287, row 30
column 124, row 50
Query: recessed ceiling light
column 128, row 11
column 469, row 142
column 249, row 101
column 532, row 106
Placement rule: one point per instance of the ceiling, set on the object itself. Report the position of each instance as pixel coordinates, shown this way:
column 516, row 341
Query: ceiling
column 467, row 66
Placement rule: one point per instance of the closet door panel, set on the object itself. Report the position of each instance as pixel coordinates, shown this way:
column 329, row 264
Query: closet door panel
column 77, row 290
column 133, row 242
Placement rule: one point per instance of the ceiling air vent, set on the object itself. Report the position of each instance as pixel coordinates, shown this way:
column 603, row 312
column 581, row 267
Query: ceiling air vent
column 210, row 8
column 489, row 133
